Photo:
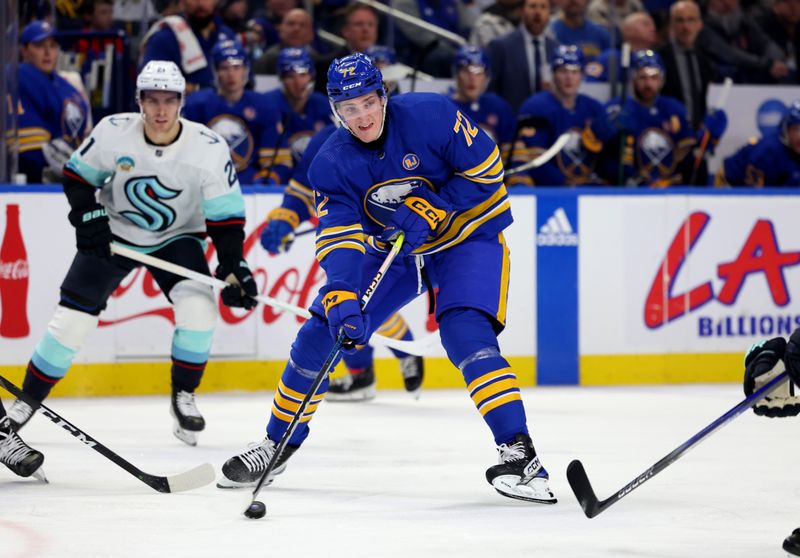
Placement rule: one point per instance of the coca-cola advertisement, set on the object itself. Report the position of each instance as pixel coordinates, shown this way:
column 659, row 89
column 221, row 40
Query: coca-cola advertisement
column 13, row 278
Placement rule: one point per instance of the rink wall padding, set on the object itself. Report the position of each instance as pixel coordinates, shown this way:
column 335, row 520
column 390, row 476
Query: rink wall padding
column 608, row 286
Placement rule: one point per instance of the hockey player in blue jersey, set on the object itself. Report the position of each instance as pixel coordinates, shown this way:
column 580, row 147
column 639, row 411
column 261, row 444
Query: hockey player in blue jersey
column 52, row 116
column 413, row 164
column 298, row 207
column 771, row 161
column 549, row 114
column 652, row 129
column 159, row 184
column 303, row 111
column 244, row 118
column 472, row 70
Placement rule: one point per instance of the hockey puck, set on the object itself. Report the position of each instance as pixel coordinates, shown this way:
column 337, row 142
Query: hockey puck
column 256, row 510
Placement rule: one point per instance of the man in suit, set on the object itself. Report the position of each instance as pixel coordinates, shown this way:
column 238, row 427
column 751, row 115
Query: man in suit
column 520, row 60
column 688, row 69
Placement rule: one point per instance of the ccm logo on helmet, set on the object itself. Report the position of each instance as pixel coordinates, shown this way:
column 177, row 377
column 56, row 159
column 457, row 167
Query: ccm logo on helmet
column 351, row 86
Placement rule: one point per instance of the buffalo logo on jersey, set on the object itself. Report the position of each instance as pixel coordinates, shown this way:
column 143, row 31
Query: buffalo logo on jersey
column 73, row 119
column 125, row 163
column 574, row 160
column 146, row 193
column 656, row 153
column 410, row 161
column 381, row 200
column 238, row 137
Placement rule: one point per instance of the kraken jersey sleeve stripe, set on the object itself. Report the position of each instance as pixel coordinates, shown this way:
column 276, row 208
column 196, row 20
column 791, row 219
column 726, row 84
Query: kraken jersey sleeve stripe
column 224, row 206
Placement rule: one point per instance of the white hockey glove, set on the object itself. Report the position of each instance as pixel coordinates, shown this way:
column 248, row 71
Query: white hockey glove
column 56, row 153
column 763, row 362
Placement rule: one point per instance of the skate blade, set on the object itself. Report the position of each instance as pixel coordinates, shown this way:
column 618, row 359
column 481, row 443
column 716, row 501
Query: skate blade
column 364, row 394
column 537, row 491
column 38, row 474
column 226, row 484
column 188, row 437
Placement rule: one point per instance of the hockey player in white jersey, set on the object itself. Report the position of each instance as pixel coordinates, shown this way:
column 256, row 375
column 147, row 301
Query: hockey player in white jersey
column 156, row 183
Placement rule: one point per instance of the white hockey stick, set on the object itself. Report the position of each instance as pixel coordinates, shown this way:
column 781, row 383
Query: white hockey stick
column 551, row 152
column 417, row 347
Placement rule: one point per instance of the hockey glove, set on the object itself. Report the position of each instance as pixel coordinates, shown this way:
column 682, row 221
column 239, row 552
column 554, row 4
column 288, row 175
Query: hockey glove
column 56, row 153
column 278, row 235
column 344, row 314
column 792, row 357
column 417, row 217
column 242, row 288
column 92, row 231
column 763, row 362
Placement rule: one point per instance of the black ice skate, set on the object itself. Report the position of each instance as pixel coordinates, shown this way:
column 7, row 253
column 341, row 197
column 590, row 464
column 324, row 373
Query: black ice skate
column 413, row 370
column 520, row 474
column 19, row 414
column 245, row 470
column 792, row 543
column 17, row 455
column 188, row 420
column 355, row 386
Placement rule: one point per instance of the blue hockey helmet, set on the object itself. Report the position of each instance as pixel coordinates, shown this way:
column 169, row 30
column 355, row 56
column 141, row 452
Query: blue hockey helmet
column 646, row 59
column 228, row 51
column 380, row 54
column 471, row 56
column 295, row 60
column 353, row 76
column 791, row 118
column 567, row 55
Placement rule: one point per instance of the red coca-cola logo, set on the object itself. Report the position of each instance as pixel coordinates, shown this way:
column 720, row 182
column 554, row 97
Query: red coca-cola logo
column 14, row 270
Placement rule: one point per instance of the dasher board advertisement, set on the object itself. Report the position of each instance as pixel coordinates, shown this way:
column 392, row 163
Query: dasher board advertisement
column 676, row 287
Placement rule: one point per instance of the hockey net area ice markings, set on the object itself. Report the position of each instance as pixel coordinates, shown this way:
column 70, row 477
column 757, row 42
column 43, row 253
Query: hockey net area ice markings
column 557, row 231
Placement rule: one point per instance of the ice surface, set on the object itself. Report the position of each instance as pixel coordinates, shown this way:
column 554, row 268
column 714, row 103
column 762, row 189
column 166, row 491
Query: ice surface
column 398, row 477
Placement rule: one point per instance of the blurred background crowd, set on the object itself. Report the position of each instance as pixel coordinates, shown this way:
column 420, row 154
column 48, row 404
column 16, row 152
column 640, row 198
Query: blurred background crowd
column 627, row 80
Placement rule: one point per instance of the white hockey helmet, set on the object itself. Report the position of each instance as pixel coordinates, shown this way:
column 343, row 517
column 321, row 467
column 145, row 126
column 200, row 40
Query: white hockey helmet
column 160, row 75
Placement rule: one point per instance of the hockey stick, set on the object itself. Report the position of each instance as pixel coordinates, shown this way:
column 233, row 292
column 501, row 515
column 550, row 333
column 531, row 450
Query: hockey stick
column 579, row 481
column 551, row 152
column 417, row 347
column 701, row 150
column 321, row 375
column 188, row 480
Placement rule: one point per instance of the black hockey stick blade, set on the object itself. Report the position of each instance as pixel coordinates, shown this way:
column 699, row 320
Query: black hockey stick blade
column 188, row 480
column 579, row 481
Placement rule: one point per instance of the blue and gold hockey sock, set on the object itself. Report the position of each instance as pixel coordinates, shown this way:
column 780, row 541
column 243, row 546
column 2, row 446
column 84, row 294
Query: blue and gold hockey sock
column 294, row 385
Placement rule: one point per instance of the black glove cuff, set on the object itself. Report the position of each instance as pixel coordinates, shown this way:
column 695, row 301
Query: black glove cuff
column 229, row 241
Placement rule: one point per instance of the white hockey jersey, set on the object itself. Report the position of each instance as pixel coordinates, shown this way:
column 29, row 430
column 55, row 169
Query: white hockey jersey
column 154, row 194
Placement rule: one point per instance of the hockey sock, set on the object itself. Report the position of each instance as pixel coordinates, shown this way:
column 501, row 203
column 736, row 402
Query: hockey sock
column 37, row 384
column 189, row 357
column 396, row 328
column 292, row 389
column 360, row 359
column 186, row 376
column 471, row 344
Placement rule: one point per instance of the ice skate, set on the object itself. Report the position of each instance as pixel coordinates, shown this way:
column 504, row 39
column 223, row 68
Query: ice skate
column 19, row 414
column 245, row 470
column 792, row 543
column 520, row 474
column 413, row 370
column 355, row 386
column 17, row 455
column 188, row 420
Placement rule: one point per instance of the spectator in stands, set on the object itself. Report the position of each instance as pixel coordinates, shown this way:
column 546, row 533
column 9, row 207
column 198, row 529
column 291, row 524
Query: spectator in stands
column 426, row 51
column 738, row 47
column 360, row 32
column 781, row 23
column 244, row 118
column 546, row 115
column 52, row 115
column 303, row 111
column 639, row 31
column 570, row 27
column 600, row 12
column 234, row 14
column 520, row 60
column 772, row 161
column 187, row 39
column 268, row 20
column 688, row 69
column 295, row 31
column 497, row 20
column 471, row 70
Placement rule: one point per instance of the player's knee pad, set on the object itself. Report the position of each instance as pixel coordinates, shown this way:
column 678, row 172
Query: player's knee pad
column 194, row 305
column 467, row 334
column 66, row 335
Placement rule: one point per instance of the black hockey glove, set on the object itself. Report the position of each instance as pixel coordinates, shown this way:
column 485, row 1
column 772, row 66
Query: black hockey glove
column 92, row 232
column 242, row 287
column 763, row 362
column 792, row 356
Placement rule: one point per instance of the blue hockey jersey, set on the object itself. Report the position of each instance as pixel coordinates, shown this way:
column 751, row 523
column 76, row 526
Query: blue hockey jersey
column 49, row 108
column 298, row 195
column 249, row 125
column 495, row 117
column 428, row 143
column 543, row 119
column 767, row 162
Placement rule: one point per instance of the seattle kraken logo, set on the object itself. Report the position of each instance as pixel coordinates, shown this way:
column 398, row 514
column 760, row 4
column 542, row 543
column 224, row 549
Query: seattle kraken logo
column 145, row 194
